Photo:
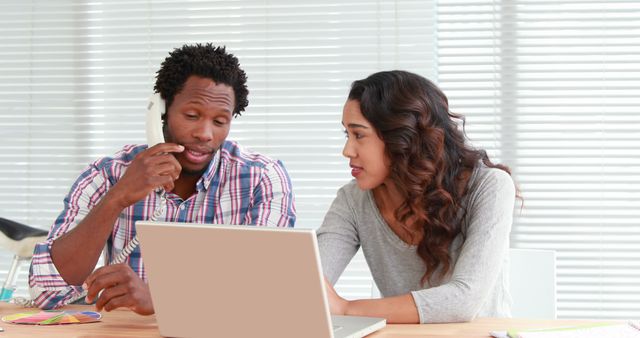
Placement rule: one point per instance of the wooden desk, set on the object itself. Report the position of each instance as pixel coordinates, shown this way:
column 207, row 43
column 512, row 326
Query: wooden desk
column 479, row 328
column 124, row 323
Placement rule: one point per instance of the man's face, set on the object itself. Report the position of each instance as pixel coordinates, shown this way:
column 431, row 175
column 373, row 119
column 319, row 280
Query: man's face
column 199, row 119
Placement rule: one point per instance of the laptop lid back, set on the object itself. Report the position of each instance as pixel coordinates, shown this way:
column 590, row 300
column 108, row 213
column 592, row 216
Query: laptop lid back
column 234, row 281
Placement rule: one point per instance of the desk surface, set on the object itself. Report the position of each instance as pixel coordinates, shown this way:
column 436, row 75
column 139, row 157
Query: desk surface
column 124, row 323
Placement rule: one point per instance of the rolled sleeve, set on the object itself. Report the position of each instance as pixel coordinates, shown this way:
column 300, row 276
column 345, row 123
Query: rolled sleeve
column 47, row 287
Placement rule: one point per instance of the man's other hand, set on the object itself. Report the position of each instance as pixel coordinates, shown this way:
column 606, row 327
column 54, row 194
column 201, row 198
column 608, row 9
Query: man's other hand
column 121, row 287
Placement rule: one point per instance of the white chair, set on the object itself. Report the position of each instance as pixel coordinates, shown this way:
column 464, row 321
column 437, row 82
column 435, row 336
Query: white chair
column 19, row 239
column 533, row 283
column 375, row 292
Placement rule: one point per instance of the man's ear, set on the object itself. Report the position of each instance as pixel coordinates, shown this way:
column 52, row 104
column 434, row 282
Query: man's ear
column 165, row 129
column 165, row 126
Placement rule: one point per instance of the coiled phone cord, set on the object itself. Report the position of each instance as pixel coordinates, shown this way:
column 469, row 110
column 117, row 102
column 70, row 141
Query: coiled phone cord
column 133, row 244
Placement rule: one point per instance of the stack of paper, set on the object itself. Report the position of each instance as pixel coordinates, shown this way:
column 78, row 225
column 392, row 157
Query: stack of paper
column 598, row 330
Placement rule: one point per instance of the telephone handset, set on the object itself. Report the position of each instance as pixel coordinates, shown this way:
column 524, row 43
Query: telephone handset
column 155, row 110
column 155, row 135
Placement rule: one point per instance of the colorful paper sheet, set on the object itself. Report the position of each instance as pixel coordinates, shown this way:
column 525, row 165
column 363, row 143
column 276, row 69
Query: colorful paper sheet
column 52, row 317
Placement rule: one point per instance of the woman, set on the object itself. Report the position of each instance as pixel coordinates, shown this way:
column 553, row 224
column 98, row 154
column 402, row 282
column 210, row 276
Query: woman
column 431, row 213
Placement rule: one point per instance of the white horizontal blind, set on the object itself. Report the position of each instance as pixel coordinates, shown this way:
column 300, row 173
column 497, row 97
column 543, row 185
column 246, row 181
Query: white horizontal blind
column 75, row 77
column 552, row 89
column 46, row 120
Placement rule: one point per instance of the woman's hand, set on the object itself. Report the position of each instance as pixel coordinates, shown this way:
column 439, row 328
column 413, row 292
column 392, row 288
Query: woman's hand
column 337, row 304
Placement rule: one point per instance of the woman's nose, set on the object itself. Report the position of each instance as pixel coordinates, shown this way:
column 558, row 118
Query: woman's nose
column 348, row 151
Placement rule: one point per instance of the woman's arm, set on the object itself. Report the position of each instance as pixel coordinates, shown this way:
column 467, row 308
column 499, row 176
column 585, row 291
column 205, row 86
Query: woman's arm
column 338, row 239
column 397, row 310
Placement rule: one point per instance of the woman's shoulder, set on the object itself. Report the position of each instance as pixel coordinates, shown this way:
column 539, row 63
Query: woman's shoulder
column 490, row 197
column 487, row 178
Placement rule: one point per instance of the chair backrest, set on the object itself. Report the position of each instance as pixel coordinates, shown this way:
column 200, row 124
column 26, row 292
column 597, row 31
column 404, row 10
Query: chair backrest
column 533, row 283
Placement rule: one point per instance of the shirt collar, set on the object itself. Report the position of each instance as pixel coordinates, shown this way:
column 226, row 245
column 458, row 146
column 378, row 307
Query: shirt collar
column 207, row 177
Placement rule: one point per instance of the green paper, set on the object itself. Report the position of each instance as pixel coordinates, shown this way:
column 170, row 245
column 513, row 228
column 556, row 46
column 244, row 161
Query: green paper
column 513, row 333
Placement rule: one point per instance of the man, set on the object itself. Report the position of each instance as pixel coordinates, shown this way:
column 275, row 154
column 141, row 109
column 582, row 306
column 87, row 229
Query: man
column 196, row 176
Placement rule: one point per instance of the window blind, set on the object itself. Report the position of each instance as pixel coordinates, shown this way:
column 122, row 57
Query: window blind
column 75, row 77
column 551, row 89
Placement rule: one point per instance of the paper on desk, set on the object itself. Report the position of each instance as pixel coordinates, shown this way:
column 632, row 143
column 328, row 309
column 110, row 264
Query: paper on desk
column 583, row 331
column 52, row 317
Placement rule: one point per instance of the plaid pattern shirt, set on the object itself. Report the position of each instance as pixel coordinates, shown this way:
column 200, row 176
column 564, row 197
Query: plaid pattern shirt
column 238, row 187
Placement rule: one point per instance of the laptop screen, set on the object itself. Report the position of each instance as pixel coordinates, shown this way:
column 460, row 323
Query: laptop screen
column 234, row 281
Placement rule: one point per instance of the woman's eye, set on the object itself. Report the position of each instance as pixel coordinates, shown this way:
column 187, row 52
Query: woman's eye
column 356, row 135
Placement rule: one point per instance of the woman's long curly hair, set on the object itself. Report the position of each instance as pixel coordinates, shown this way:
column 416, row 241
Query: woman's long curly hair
column 431, row 164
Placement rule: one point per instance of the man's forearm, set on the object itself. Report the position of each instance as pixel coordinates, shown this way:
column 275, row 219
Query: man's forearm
column 76, row 252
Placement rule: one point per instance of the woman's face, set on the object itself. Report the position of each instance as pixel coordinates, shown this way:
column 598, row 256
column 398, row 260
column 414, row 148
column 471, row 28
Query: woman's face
column 364, row 149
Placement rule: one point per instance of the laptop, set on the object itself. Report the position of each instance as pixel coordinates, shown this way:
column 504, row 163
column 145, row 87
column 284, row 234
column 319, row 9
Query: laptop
column 240, row 281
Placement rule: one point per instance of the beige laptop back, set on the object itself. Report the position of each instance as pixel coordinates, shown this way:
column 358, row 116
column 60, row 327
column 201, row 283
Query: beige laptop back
column 210, row 280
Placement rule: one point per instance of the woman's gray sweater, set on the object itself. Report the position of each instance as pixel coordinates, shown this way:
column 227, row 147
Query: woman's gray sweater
column 477, row 285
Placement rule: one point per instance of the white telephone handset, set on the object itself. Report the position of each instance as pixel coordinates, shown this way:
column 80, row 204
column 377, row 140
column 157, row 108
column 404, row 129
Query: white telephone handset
column 155, row 110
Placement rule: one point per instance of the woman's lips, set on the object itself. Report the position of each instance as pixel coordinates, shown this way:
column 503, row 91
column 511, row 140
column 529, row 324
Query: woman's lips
column 355, row 171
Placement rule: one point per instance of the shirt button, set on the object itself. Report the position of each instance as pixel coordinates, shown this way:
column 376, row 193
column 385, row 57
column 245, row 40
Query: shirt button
column 182, row 207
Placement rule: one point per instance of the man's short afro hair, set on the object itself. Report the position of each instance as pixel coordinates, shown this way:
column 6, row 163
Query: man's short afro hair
column 205, row 61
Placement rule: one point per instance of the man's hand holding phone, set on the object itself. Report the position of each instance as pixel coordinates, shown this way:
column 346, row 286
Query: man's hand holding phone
column 153, row 168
